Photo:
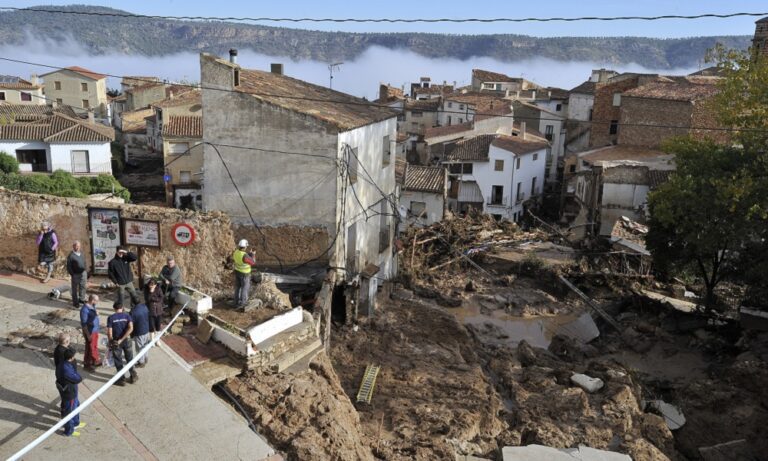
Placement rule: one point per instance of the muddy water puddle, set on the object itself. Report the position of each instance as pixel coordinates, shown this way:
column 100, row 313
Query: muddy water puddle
column 496, row 326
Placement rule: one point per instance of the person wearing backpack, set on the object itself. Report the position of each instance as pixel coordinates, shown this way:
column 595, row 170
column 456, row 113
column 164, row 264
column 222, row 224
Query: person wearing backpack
column 47, row 244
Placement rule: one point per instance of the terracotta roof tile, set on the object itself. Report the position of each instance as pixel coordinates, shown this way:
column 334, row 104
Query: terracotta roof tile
column 689, row 89
column 585, row 88
column 422, row 104
column 190, row 97
column 32, row 112
column 471, row 149
column 57, row 128
column 488, row 76
column 134, row 121
column 425, row 179
column 518, row 145
column 183, row 126
column 341, row 110
column 82, row 71
column 438, row 131
column 11, row 82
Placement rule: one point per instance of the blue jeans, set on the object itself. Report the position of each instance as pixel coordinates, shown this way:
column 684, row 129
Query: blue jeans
column 67, row 407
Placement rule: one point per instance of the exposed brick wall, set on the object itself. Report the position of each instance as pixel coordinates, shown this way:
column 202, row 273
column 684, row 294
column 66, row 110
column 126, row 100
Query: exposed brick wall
column 654, row 112
column 705, row 115
column 603, row 111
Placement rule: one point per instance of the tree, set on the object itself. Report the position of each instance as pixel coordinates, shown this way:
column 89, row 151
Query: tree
column 8, row 163
column 705, row 215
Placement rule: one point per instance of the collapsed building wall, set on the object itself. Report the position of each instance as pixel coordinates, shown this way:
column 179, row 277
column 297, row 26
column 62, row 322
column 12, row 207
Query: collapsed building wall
column 203, row 263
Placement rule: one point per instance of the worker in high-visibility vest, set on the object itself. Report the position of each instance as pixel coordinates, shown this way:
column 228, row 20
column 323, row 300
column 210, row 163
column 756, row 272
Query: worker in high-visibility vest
column 243, row 262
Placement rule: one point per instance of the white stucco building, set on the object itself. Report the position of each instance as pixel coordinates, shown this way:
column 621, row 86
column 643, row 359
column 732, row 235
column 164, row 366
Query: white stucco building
column 16, row 90
column 423, row 194
column 307, row 161
column 552, row 126
column 58, row 142
column 497, row 174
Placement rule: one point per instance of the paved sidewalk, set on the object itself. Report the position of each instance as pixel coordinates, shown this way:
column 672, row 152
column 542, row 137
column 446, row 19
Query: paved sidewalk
column 167, row 414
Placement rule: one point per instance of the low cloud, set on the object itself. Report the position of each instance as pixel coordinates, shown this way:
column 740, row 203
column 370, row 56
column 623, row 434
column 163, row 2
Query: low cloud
column 360, row 77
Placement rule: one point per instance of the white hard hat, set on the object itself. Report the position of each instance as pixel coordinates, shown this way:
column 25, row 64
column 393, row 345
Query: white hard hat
column 242, row 243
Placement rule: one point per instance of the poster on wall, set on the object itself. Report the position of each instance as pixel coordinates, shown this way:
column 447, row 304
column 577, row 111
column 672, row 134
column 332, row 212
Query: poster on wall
column 141, row 233
column 105, row 237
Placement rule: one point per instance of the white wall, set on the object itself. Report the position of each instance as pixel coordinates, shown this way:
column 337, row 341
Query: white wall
column 459, row 113
column 368, row 140
column 14, row 96
column 551, row 105
column 579, row 106
column 434, row 206
column 622, row 200
column 558, row 141
column 99, row 157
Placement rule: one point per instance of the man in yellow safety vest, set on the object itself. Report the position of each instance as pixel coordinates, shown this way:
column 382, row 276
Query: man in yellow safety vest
column 243, row 263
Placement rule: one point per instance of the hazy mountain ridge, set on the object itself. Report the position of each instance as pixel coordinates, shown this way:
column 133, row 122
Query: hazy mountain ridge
column 156, row 37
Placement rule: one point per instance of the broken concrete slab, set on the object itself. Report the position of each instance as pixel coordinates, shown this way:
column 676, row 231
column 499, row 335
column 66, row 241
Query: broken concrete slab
column 275, row 325
column 672, row 415
column 677, row 304
column 204, row 331
column 587, row 383
column 735, row 450
column 540, row 452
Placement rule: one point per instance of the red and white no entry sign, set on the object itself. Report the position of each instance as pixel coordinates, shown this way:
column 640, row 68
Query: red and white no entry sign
column 183, row 234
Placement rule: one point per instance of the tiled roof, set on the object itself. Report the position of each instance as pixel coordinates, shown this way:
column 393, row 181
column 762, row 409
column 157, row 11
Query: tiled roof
column 622, row 153
column 57, row 128
column 422, row 104
column 134, row 121
column 434, row 89
column 183, row 126
column 424, row 178
column 344, row 111
column 658, row 177
column 401, row 137
column 712, row 71
column 518, row 145
column 82, row 71
column 553, row 92
column 190, row 97
column 389, row 93
column 400, row 165
column 485, row 104
column 517, row 126
column 31, row 112
column 10, row 82
column 689, row 89
column 471, row 149
column 585, row 88
column 438, row 131
column 143, row 86
column 488, row 76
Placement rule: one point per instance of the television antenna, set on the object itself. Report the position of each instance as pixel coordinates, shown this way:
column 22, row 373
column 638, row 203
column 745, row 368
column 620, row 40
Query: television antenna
column 331, row 67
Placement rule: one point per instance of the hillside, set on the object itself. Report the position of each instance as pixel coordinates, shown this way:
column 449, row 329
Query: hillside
column 153, row 37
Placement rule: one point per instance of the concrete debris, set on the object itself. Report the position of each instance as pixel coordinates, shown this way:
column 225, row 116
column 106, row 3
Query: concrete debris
column 540, row 452
column 735, row 450
column 272, row 296
column 587, row 383
column 204, row 331
column 672, row 415
column 253, row 305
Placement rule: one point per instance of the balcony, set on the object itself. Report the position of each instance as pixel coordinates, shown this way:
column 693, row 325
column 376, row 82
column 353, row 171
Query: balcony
column 497, row 201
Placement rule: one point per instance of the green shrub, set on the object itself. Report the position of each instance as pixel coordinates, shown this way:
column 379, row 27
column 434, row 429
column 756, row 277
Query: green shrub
column 8, row 163
column 63, row 184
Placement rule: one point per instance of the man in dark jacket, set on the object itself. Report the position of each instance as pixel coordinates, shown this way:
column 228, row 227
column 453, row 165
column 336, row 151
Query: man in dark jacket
column 76, row 269
column 67, row 379
column 140, row 333
column 119, row 329
column 47, row 244
column 121, row 274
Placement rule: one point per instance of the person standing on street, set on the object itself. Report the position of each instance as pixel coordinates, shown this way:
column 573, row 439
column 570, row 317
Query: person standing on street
column 171, row 275
column 243, row 262
column 47, row 244
column 119, row 328
column 121, row 274
column 140, row 333
column 89, row 320
column 77, row 273
column 61, row 348
column 67, row 380
column 153, row 296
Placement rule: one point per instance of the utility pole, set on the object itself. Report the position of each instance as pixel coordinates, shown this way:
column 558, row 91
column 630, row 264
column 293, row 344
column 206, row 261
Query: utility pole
column 331, row 67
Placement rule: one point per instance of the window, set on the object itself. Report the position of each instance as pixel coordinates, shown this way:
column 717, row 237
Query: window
column 84, row 86
column 498, row 165
column 549, row 132
column 59, row 101
column 178, row 148
column 460, row 168
column 416, row 113
column 614, row 128
column 86, row 104
column 26, row 96
column 517, row 163
column 467, row 168
column 519, row 192
column 387, row 151
column 418, row 208
column 449, row 120
column 461, row 106
column 450, row 105
column 572, row 169
column 558, row 108
column 497, row 195
column 400, row 117
column 185, row 177
column 80, row 161
column 237, row 77
column 533, row 187
column 535, row 156
column 384, row 227
column 590, row 114
column 461, row 120
column 616, row 99
column 2, row 95
column 57, row 85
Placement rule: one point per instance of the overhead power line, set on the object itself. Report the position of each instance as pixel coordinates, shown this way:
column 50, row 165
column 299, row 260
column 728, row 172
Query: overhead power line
column 398, row 110
column 390, row 20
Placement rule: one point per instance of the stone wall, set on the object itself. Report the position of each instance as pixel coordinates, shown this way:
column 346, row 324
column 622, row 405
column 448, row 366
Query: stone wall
column 603, row 111
column 646, row 121
column 203, row 263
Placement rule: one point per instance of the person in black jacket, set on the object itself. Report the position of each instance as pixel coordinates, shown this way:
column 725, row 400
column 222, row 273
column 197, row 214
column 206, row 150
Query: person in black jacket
column 121, row 274
column 47, row 244
column 61, row 349
column 67, row 379
column 76, row 270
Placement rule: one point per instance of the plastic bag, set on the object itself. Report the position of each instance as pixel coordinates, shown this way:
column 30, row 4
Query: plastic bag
column 109, row 360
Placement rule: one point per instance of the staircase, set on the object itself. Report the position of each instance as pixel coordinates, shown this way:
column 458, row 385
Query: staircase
column 290, row 350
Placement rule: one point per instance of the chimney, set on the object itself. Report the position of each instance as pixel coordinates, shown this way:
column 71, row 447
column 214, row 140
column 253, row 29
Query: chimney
column 533, row 94
column 233, row 56
column 276, row 68
column 522, row 130
column 91, row 118
column 549, row 95
column 33, row 79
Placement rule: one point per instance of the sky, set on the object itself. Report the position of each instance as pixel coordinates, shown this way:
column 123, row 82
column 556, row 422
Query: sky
column 467, row 9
